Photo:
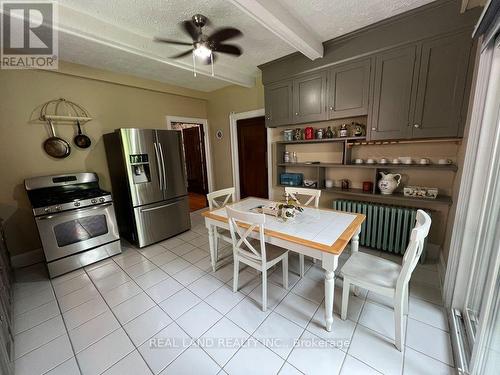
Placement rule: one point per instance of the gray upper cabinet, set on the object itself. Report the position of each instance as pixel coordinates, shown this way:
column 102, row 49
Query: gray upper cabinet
column 278, row 102
column 392, row 99
column 441, row 87
column 309, row 98
column 348, row 88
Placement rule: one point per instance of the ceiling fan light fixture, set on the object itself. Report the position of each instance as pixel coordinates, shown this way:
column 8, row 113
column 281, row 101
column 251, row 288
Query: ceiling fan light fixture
column 202, row 51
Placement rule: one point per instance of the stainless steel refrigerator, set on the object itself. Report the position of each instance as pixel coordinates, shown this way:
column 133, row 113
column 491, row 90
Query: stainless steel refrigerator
column 148, row 179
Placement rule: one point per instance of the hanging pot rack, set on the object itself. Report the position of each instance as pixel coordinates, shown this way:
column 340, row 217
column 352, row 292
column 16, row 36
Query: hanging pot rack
column 63, row 111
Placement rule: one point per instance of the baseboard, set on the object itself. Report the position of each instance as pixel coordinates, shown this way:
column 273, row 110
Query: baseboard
column 28, row 258
column 441, row 269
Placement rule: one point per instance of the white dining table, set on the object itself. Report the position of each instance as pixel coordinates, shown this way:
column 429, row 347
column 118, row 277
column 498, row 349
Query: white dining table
column 320, row 233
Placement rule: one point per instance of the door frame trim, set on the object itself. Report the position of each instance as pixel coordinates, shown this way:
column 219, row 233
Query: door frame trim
column 233, row 130
column 206, row 130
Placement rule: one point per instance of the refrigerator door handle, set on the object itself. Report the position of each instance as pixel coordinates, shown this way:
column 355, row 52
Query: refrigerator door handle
column 160, row 167
column 163, row 167
column 158, row 207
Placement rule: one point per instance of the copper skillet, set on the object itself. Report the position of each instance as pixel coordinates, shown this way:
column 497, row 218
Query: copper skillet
column 55, row 146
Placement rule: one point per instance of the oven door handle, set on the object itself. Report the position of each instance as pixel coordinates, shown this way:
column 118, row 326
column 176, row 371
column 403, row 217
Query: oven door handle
column 77, row 210
column 158, row 207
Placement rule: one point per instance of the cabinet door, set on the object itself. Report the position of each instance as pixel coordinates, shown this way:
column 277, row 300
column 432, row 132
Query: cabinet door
column 348, row 90
column 392, row 94
column 278, row 101
column 441, row 87
column 309, row 98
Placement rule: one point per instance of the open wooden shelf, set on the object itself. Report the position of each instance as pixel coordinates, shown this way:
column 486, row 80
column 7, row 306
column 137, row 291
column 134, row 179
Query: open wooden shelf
column 323, row 140
column 441, row 167
column 440, row 199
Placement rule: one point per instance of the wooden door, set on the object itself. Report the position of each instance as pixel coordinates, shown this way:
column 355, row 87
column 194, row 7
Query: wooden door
column 392, row 101
column 278, row 102
column 252, row 157
column 194, row 149
column 309, row 98
column 441, row 87
column 348, row 87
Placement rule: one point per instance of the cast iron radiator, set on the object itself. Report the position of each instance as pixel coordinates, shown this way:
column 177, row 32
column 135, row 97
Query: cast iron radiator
column 386, row 227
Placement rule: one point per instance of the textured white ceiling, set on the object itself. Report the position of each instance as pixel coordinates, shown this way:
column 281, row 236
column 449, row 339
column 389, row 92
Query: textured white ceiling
column 117, row 34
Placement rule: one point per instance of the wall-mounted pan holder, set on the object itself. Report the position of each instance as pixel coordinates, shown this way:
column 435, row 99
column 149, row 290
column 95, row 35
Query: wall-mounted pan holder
column 64, row 111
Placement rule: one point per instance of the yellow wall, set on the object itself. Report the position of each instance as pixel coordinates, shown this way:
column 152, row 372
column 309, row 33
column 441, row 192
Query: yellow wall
column 220, row 104
column 113, row 105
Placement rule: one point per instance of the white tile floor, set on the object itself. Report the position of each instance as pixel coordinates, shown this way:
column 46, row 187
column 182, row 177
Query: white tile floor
column 161, row 310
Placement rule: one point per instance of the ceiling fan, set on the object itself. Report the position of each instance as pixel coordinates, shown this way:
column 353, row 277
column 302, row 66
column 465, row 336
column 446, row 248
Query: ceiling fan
column 204, row 46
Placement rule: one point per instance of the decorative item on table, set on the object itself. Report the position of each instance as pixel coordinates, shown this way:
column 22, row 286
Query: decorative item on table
column 319, row 133
column 293, row 157
column 445, row 161
column 367, row 186
column 343, row 132
column 286, row 157
column 358, row 161
column 329, row 132
column 297, row 134
column 310, row 183
column 309, row 133
column 358, row 130
column 388, row 183
column 290, row 208
column 420, row 192
column 270, row 209
column 288, row 135
column 424, row 161
column 291, row 179
column 344, row 184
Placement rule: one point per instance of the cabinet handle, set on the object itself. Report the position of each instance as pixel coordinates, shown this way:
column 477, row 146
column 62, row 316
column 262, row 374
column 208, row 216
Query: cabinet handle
column 374, row 129
column 416, row 126
column 296, row 113
column 331, row 108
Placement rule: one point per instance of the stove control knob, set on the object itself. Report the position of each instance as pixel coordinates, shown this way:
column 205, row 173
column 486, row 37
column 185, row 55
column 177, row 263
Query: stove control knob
column 58, row 208
column 93, row 200
column 77, row 204
column 101, row 200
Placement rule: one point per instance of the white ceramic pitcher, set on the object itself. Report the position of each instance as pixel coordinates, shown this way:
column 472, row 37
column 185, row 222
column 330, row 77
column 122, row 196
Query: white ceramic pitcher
column 388, row 183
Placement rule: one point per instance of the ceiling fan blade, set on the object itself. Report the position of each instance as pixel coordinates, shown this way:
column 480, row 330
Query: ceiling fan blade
column 223, row 34
column 182, row 54
column 171, row 41
column 228, row 48
column 191, row 29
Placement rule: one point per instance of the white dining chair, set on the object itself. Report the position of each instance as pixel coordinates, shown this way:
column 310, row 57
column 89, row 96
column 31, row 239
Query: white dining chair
column 254, row 252
column 311, row 196
column 218, row 199
column 386, row 277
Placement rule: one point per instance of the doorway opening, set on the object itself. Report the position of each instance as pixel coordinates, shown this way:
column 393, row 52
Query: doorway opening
column 251, row 136
column 193, row 136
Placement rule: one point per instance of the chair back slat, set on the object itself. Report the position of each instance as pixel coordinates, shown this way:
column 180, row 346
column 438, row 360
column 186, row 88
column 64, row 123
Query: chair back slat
column 414, row 248
column 241, row 235
column 310, row 194
column 220, row 198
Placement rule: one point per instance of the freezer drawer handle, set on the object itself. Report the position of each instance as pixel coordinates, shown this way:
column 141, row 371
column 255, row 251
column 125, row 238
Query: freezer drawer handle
column 160, row 168
column 157, row 208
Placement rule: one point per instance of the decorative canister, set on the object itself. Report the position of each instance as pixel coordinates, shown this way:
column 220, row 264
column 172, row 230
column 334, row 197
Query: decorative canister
column 367, row 186
column 329, row 132
column 288, row 135
column 388, row 183
column 344, row 184
column 319, row 133
column 286, row 157
column 297, row 135
column 343, row 130
column 309, row 133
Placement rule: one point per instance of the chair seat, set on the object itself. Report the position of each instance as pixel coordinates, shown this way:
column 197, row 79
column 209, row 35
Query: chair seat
column 371, row 270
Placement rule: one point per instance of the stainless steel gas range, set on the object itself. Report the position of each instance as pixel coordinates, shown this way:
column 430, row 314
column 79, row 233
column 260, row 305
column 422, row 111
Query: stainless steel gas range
column 75, row 219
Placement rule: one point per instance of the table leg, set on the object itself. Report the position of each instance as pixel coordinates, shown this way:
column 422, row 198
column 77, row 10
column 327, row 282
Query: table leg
column 329, row 264
column 212, row 244
column 355, row 249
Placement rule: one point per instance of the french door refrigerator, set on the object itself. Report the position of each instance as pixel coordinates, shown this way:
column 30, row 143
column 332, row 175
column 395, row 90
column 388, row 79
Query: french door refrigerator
column 148, row 179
